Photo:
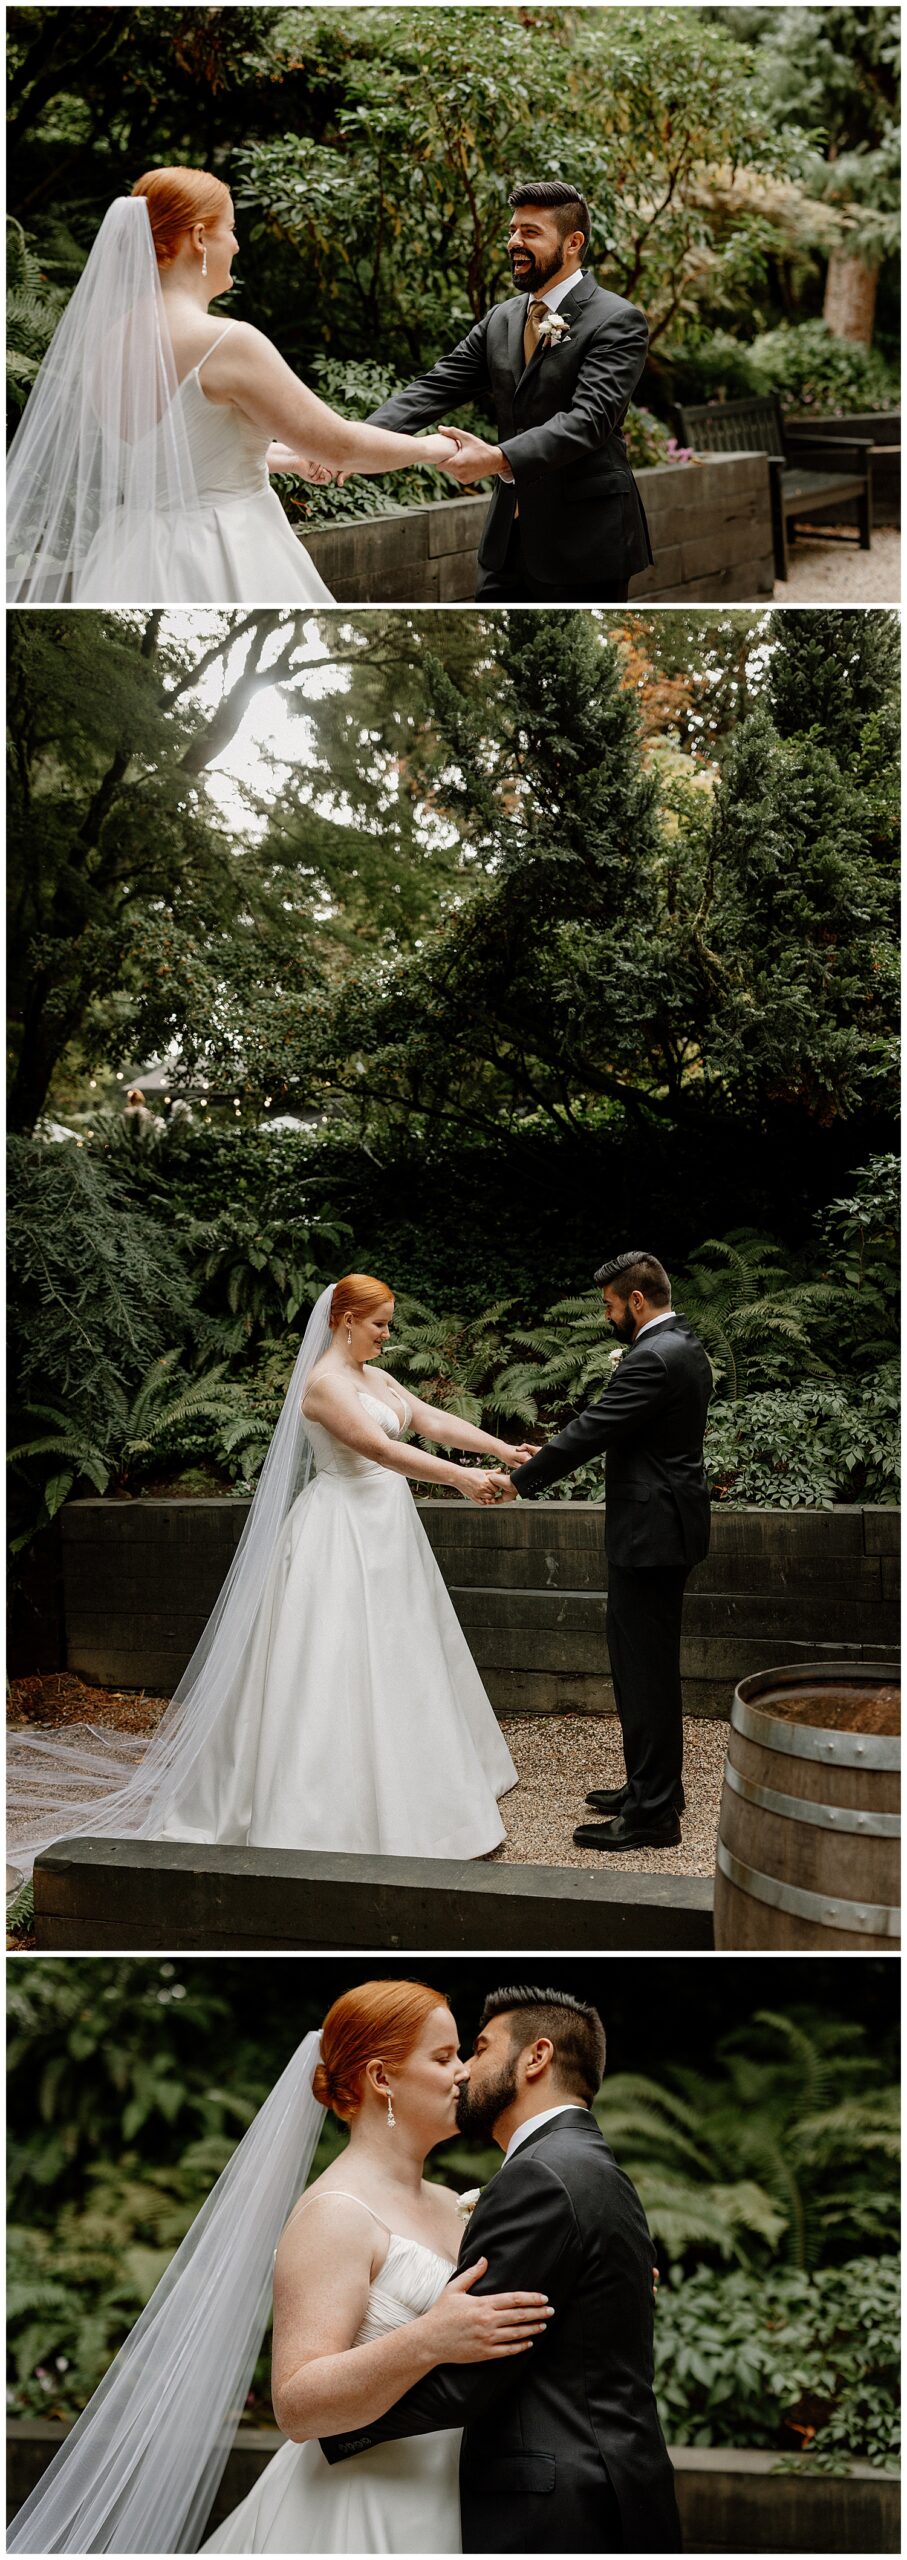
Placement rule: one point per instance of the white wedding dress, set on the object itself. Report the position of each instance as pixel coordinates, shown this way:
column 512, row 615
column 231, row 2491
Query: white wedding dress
column 395, row 2497
column 233, row 546
column 356, row 1719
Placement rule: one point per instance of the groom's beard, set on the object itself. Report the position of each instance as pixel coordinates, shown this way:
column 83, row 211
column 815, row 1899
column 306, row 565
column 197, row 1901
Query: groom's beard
column 478, row 2110
column 533, row 277
column 625, row 1330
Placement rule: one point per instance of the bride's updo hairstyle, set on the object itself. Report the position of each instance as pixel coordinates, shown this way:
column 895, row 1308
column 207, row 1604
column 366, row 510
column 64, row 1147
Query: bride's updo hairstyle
column 357, row 1296
column 378, row 2021
column 176, row 199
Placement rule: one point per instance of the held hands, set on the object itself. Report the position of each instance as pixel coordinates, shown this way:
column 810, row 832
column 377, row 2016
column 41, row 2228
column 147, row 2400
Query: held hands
column 466, row 2330
column 472, row 459
column 431, row 450
column 474, row 1485
column 501, row 1488
column 519, row 1457
column 281, row 457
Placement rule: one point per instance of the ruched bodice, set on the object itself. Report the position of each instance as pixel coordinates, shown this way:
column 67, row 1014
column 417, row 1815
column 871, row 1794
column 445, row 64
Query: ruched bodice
column 333, row 1457
column 228, row 452
column 408, row 2283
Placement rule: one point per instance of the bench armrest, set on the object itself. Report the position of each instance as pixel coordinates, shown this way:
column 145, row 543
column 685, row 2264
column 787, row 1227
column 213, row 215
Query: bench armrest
column 801, row 440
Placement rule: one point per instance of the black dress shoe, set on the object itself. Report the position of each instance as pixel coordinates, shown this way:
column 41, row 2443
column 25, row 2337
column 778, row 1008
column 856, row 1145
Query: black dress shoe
column 623, row 1834
column 613, row 1800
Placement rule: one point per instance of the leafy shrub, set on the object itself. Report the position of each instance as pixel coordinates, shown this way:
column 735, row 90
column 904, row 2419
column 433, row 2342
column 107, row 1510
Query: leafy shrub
column 813, row 1445
column 783, row 2360
column 810, row 368
column 801, row 360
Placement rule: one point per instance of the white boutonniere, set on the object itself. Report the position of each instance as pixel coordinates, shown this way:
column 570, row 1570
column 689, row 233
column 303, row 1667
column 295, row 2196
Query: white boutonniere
column 467, row 2202
column 615, row 1358
column 553, row 327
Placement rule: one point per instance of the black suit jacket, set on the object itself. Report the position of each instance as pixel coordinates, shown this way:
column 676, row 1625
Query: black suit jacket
column 559, row 420
column 563, row 2450
column 650, row 1423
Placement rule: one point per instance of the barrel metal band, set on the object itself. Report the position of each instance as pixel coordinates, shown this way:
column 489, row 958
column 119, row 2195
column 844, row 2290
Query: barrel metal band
column 828, row 1817
column 815, row 1741
column 871, row 1920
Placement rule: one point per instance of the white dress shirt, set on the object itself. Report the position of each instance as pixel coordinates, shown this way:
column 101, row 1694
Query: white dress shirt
column 532, row 2123
column 650, row 1322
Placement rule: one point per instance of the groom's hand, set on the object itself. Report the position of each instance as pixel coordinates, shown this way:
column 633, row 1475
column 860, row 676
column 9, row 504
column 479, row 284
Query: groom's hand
column 501, row 1487
column 475, row 460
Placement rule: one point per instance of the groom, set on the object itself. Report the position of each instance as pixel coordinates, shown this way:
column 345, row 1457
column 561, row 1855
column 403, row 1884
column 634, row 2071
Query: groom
column 563, row 2450
column 650, row 1423
column 559, row 364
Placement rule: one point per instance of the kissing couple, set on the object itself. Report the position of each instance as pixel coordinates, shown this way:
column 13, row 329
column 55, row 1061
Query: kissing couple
column 139, row 471
column 471, row 2373
column 332, row 1702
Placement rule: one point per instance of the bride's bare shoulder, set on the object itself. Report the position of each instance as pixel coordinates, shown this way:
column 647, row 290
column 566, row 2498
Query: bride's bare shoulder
column 327, row 2207
column 323, row 1385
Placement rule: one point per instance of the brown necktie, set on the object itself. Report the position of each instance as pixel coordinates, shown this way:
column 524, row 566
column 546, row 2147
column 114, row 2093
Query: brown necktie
column 534, row 317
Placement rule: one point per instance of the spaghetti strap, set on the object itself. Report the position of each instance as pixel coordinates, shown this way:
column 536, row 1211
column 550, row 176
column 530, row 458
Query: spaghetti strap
column 216, row 342
column 324, row 2196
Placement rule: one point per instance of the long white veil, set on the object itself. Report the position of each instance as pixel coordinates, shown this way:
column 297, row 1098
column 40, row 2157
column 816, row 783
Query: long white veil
column 102, row 448
column 59, row 1784
column 140, row 2467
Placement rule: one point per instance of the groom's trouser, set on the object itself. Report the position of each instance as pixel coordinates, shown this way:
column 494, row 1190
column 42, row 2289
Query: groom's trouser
column 645, row 1608
column 513, row 583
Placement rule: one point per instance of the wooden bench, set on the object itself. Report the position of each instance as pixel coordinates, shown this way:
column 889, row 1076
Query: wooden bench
column 812, row 474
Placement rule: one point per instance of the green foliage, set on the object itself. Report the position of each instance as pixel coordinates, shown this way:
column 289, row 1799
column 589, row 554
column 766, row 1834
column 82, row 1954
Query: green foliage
column 800, row 360
column 802, row 2113
column 813, row 1445
column 809, row 368
column 779, row 2359
column 34, row 304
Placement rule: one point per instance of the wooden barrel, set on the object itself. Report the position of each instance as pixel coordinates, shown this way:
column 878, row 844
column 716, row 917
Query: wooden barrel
column 808, row 1848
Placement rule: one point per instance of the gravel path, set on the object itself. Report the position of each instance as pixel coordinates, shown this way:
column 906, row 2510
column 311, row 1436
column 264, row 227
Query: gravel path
column 840, row 573
column 558, row 1758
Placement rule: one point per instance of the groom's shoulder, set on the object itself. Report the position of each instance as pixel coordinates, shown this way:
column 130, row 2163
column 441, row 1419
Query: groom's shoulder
column 613, row 307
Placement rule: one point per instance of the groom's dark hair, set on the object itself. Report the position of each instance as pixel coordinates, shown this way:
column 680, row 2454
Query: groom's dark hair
column 629, row 1271
column 574, row 2029
column 569, row 208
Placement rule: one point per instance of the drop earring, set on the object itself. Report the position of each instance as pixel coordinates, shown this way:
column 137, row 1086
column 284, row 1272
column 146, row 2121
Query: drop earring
column 349, row 1333
column 204, row 262
column 391, row 2118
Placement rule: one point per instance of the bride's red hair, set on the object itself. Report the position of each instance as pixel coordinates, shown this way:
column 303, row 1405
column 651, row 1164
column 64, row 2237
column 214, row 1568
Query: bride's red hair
column 177, row 198
column 378, row 2021
column 358, row 1295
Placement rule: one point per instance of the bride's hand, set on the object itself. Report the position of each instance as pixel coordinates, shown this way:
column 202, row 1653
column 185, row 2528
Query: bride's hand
column 508, row 1456
column 466, row 2328
column 475, row 1486
column 281, row 457
column 437, row 449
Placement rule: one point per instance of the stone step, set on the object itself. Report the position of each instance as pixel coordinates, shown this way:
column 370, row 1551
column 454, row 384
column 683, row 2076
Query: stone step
column 126, row 1893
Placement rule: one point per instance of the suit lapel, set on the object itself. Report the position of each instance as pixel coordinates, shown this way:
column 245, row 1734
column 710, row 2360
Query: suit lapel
column 515, row 326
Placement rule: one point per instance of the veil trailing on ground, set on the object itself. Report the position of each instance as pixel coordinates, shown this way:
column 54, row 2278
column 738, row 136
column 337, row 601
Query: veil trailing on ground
column 101, row 449
column 120, row 1785
column 140, row 2467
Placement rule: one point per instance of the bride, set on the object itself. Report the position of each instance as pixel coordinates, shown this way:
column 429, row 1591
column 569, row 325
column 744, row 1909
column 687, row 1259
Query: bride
column 365, row 2301
column 139, row 471
column 332, row 1701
